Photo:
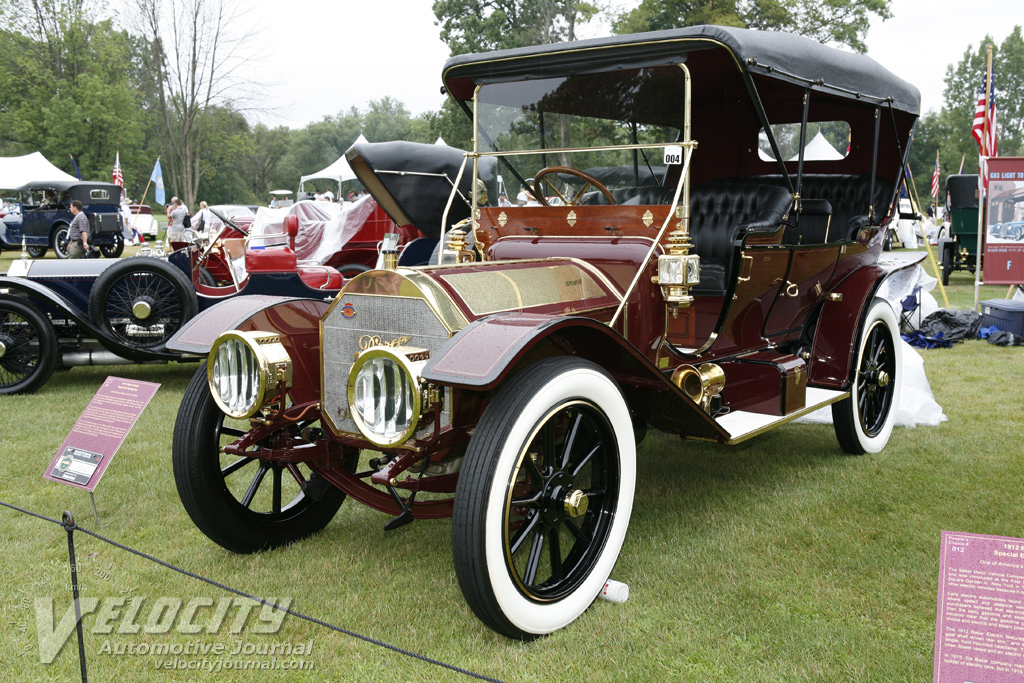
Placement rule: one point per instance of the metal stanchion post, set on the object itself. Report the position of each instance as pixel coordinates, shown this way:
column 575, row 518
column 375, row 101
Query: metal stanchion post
column 69, row 526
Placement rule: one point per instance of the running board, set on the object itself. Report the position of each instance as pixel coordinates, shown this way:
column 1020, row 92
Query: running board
column 742, row 425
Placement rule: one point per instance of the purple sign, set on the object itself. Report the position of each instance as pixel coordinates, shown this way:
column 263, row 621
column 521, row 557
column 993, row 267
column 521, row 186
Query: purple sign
column 99, row 432
column 979, row 635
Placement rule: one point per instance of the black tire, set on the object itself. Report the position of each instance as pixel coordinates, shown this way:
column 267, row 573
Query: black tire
column 556, row 432
column 142, row 301
column 214, row 486
column 60, row 241
column 206, row 277
column 113, row 250
column 28, row 347
column 864, row 421
column 350, row 270
column 887, row 242
column 947, row 263
column 36, row 252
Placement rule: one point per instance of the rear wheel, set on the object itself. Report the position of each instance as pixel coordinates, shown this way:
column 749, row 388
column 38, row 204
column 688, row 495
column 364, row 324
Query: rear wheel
column 28, row 347
column 36, row 252
column 141, row 302
column 544, row 498
column 113, row 250
column 350, row 270
column 863, row 422
column 246, row 503
column 947, row 263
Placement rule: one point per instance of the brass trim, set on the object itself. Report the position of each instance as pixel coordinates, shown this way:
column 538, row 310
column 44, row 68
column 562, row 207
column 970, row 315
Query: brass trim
column 571, row 218
column 647, row 218
column 745, row 260
column 502, row 219
column 274, row 366
column 788, row 418
column 406, row 364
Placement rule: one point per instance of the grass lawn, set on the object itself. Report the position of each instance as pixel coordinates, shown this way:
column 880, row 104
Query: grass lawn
column 777, row 560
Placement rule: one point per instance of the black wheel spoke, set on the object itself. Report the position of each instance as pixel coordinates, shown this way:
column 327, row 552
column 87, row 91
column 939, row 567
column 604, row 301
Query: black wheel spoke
column 570, row 440
column 254, row 486
column 586, row 459
column 275, row 505
column 293, row 469
column 232, row 431
column 533, row 560
column 523, row 533
column 555, row 555
column 235, row 466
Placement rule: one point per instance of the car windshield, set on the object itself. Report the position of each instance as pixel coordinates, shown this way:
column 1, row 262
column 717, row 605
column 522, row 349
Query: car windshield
column 578, row 121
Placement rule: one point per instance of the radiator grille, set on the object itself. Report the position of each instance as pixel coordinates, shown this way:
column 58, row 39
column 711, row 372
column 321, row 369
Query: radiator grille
column 386, row 317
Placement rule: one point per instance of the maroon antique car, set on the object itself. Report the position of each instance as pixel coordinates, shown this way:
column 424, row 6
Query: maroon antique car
column 702, row 274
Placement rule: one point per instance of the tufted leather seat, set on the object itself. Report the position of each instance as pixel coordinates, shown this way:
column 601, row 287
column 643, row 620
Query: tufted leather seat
column 848, row 196
column 721, row 212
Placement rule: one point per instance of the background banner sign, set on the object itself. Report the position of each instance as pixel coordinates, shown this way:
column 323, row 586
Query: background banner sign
column 1004, row 225
column 979, row 635
column 99, row 432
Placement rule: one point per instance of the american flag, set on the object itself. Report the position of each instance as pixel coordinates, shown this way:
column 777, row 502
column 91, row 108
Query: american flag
column 985, row 116
column 935, row 177
column 118, row 178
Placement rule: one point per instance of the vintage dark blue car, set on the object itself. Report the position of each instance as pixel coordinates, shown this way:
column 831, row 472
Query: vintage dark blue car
column 46, row 215
column 61, row 314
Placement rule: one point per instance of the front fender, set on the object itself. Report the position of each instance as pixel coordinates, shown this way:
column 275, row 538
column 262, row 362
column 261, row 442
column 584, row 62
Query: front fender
column 484, row 353
column 41, row 294
column 296, row 320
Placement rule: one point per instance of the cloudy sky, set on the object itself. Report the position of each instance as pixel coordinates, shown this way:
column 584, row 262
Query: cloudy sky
column 320, row 57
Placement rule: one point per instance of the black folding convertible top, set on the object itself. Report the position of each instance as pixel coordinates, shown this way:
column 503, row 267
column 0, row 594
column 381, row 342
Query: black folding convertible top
column 782, row 56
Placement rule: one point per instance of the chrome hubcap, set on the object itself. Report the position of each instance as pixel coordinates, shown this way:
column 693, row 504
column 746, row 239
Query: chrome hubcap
column 3, row 349
column 576, row 503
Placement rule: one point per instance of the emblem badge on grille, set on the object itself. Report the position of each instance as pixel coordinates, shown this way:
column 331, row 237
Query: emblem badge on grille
column 368, row 340
column 348, row 310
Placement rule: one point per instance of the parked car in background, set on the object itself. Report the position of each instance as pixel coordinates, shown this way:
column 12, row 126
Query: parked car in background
column 141, row 218
column 46, row 215
column 713, row 292
column 60, row 314
column 959, row 248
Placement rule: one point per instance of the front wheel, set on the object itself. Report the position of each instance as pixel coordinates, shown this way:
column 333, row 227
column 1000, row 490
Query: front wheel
column 246, row 503
column 36, row 252
column 544, row 497
column 28, row 347
column 113, row 250
column 863, row 422
column 947, row 264
column 61, row 242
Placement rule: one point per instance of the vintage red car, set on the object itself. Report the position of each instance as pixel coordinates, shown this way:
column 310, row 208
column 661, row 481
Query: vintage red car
column 702, row 276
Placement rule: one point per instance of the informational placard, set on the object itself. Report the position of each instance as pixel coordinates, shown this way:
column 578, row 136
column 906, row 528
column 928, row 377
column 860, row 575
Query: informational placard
column 1004, row 225
column 979, row 634
column 99, row 432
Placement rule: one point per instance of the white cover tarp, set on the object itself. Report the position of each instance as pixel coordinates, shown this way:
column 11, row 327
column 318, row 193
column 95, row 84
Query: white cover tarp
column 324, row 227
column 34, row 167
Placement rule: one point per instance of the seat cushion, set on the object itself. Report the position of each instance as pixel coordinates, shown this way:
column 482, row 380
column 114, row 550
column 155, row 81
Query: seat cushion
column 278, row 259
column 321, row 277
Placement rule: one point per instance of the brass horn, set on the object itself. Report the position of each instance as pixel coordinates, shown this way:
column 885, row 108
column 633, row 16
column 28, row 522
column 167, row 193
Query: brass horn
column 700, row 383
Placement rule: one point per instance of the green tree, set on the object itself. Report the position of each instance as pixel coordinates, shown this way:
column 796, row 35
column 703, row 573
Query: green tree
column 828, row 21
column 949, row 130
column 481, row 25
column 67, row 92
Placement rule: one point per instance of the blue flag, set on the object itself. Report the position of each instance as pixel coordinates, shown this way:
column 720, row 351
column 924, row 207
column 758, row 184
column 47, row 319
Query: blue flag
column 157, row 178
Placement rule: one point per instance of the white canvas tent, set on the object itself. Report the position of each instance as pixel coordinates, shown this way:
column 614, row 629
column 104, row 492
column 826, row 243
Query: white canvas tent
column 17, row 171
column 819, row 149
column 339, row 171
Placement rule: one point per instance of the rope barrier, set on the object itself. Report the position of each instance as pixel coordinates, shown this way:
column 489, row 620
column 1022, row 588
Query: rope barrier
column 69, row 525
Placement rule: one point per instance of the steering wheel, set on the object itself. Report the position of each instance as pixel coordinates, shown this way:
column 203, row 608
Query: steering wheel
column 590, row 181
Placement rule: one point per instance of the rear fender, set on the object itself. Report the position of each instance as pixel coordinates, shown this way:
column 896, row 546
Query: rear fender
column 296, row 320
column 483, row 354
column 835, row 342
